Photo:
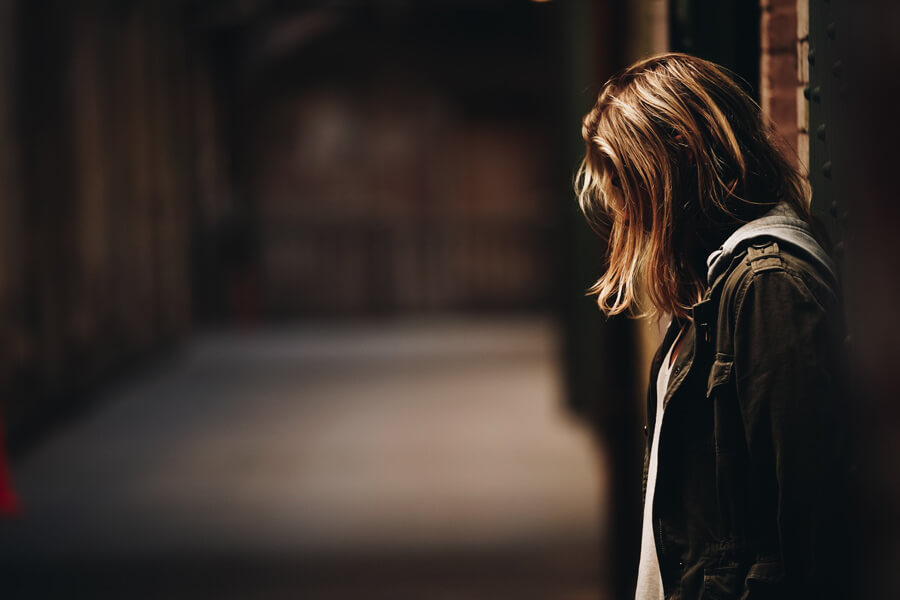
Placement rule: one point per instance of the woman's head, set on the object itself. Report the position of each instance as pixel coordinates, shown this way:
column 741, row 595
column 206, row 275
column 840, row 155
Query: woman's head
column 677, row 156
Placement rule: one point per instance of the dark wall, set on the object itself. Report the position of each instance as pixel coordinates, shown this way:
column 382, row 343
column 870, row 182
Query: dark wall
column 726, row 33
column 399, row 160
column 859, row 54
column 95, row 196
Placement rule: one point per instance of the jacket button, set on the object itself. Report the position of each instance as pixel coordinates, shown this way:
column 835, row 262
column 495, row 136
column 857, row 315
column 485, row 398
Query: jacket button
column 646, row 431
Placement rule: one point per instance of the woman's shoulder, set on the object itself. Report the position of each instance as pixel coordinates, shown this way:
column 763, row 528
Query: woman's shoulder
column 783, row 272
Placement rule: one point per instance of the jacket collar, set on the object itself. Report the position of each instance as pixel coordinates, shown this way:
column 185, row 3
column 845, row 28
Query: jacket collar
column 780, row 223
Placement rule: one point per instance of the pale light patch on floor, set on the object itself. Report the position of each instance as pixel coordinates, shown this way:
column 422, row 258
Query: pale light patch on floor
column 439, row 435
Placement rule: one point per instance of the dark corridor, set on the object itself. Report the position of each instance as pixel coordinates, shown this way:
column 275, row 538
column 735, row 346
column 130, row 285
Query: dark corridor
column 283, row 289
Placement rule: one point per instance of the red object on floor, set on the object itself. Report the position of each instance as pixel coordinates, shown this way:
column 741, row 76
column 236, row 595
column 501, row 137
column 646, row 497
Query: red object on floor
column 9, row 502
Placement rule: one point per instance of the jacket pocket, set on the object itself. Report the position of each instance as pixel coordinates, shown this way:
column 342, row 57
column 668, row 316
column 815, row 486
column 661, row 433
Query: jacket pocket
column 722, row 583
column 765, row 580
column 719, row 373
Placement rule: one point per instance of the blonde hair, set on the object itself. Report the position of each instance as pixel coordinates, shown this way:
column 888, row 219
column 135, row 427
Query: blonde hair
column 674, row 149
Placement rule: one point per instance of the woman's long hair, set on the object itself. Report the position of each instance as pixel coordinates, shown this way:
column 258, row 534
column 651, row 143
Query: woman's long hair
column 678, row 155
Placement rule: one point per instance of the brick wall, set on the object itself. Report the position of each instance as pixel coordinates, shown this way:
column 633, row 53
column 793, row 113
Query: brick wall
column 783, row 74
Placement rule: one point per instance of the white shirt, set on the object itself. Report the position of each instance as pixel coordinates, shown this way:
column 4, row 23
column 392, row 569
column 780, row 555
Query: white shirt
column 649, row 580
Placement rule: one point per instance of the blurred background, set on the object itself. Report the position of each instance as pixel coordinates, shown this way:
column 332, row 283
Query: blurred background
column 292, row 293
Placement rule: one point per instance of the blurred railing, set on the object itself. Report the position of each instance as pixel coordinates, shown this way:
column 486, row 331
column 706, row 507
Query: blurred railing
column 366, row 267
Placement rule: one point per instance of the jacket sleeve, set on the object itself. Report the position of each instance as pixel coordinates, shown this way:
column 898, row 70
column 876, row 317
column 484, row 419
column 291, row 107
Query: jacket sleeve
column 787, row 386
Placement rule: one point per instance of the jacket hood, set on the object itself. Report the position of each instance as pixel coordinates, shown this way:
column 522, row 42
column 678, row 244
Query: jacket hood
column 780, row 223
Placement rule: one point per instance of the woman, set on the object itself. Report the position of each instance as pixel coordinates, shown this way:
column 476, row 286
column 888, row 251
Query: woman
column 709, row 223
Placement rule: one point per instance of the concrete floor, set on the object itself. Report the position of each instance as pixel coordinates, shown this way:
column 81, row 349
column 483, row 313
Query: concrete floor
column 408, row 459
